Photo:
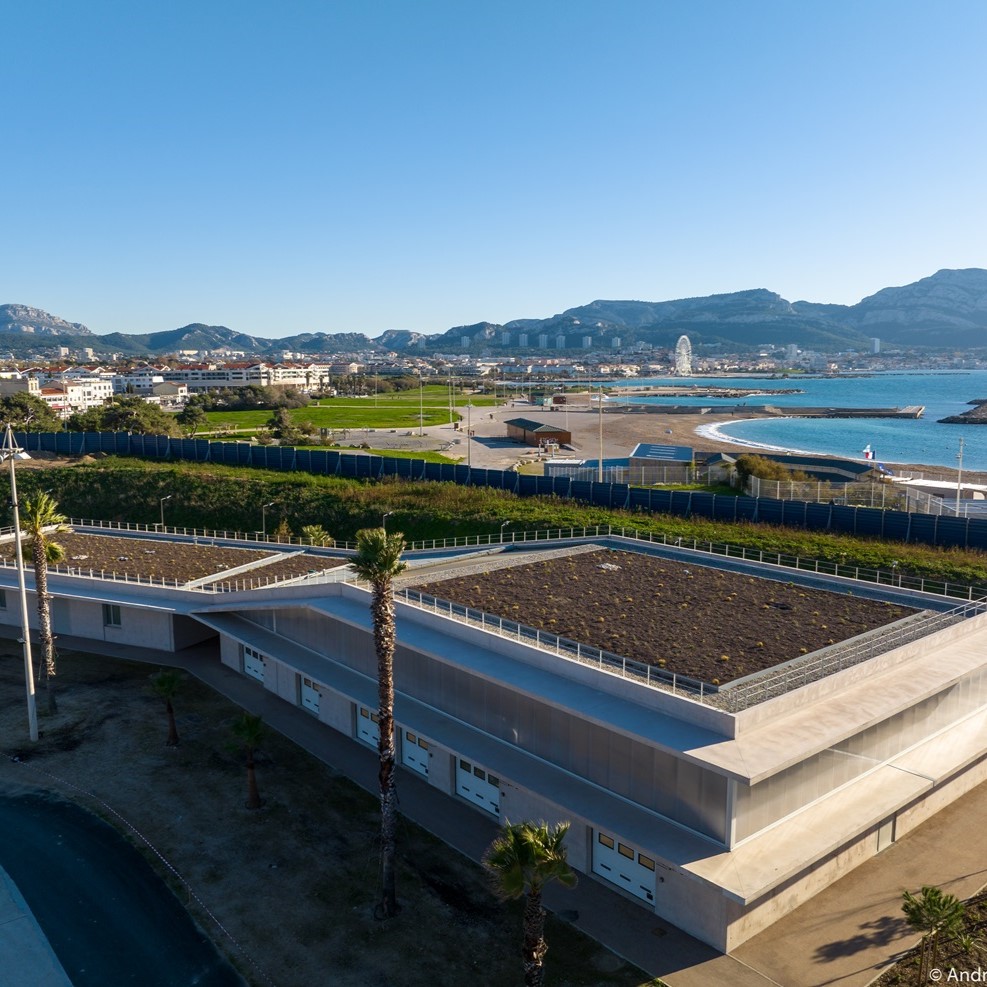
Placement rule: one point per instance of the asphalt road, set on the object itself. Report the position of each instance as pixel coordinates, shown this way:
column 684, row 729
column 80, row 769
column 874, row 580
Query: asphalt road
column 109, row 918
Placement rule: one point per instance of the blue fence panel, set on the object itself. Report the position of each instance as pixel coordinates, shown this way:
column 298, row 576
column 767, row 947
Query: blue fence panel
column 680, row 502
column 661, row 501
column 640, row 498
column 600, row 493
column 544, row 485
column 770, row 511
column 923, row 528
column 461, row 474
column 746, row 509
column 817, row 516
column 976, row 533
column 793, row 513
column 895, row 526
column 703, row 504
column 389, row 467
column 581, row 490
column 951, row 532
column 433, row 471
column 526, row 485
column 869, row 520
column 725, row 507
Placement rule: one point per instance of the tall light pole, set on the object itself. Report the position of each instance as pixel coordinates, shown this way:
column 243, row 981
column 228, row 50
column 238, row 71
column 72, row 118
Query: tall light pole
column 263, row 518
column 959, row 478
column 10, row 452
column 383, row 522
column 469, row 435
column 599, row 474
column 161, row 505
column 421, row 403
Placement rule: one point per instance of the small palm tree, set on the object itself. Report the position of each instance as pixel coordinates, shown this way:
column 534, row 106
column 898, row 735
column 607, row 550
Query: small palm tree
column 249, row 732
column 934, row 914
column 522, row 860
column 165, row 685
column 40, row 520
column 315, row 534
column 378, row 560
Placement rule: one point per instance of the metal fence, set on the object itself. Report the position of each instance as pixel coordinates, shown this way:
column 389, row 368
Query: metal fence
column 564, row 647
column 866, row 521
column 801, row 671
column 882, row 577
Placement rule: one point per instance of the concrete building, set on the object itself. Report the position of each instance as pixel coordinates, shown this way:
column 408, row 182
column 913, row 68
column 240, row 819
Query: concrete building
column 720, row 812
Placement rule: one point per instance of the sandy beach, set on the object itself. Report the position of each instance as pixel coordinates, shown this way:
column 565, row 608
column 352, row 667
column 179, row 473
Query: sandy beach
column 621, row 433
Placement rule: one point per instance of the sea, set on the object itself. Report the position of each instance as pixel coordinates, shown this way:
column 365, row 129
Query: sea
column 891, row 440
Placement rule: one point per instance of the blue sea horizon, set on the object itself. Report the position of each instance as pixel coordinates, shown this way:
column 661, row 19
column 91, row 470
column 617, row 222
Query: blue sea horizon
column 916, row 441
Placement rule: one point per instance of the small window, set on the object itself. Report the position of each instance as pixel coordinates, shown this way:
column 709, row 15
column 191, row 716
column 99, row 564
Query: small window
column 605, row 840
column 493, row 780
column 365, row 713
column 410, row 737
column 479, row 773
column 111, row 615
column 625, row 851
column 375, row 718
column 423, row 744
column 645, row 861
column 465, row 765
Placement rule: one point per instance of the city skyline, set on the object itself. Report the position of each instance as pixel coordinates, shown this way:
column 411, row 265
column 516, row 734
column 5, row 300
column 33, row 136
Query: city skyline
column 326, row 168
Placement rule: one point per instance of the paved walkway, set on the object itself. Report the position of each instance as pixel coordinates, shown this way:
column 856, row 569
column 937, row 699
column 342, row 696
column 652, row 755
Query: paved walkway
column 844, row 936
column 26, row 957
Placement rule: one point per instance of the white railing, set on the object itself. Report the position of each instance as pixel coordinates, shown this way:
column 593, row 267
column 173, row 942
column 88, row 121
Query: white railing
column 732, row 699
column 801, row 671
column 586, row 654
column 883, row 577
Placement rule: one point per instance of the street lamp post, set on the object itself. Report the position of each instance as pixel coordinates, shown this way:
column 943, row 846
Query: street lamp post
column 959, row 477
column 161, row 505
column 503, row 525
column 469, row 434
column 600, row 402
column 421, row 403
column 10, row 452
column 263, row 518
column 383, row 522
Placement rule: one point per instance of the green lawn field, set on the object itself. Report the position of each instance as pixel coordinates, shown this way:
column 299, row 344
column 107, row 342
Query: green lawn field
column 398, row 410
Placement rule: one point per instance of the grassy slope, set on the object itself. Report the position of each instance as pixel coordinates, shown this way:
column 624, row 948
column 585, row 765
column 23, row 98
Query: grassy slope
column 230, row 498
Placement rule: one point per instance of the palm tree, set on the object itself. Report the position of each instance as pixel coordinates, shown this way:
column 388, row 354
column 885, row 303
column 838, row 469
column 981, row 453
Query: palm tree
column 41, row 519
column 522, row 860
column 934, row 914
column 378, row 560
column 249, row 732
column 165, row 685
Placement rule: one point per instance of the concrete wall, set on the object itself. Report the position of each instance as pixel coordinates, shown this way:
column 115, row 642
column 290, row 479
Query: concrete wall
column 186, row 632
column 229, row 652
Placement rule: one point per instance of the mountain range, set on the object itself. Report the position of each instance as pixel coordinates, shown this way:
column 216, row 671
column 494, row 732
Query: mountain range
column 946, row 310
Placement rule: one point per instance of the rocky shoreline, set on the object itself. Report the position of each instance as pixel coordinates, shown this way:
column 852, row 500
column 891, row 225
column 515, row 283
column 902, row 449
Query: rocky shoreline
column 977, row 415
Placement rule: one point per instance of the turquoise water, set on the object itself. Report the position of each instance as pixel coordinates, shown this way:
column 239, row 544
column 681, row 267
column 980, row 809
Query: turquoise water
column 894, row 440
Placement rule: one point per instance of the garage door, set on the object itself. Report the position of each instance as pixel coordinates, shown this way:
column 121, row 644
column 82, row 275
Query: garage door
column 478, row 785
column 368, row 727
column 414, row 753
column 253, row 663
column 623, row 865
column 310, row 695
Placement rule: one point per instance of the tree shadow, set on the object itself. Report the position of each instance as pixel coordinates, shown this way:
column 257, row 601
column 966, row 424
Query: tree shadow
column 881, row 932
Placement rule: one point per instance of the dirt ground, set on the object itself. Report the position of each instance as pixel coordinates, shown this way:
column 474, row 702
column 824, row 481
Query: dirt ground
column 292, row 885
column 689, row 619
column 172, row 561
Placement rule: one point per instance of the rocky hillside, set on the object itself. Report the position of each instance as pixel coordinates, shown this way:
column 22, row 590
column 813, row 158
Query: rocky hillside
column 946, row 310
column 24, row 319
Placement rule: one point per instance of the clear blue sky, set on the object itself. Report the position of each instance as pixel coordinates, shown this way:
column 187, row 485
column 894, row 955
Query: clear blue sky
column 333, row 166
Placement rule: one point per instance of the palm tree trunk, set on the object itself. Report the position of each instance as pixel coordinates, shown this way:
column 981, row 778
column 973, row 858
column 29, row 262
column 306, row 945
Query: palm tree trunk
column 534, row 947
column 172, row 740
column 382, row 606
column 253, row 795
column 47, row 668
